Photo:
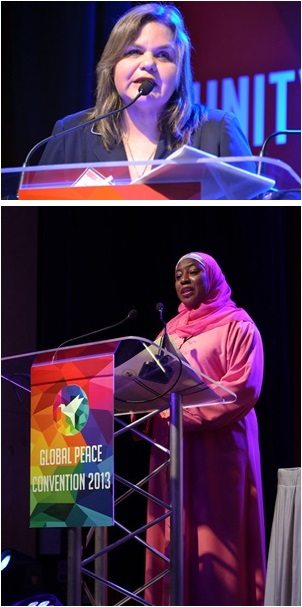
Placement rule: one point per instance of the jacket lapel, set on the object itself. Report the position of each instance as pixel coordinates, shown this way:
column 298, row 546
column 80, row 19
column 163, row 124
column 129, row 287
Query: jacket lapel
column 101, row 155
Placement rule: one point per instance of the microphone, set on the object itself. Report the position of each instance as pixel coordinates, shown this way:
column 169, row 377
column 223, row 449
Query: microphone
column 158, row 371
column 145, row 89
column 130, row 316
column 160, row 308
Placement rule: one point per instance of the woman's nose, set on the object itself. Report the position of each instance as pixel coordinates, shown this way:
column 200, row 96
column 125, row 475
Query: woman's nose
column 148, row 62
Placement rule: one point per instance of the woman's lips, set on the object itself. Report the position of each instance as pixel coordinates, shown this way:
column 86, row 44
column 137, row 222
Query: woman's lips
column 140, row 80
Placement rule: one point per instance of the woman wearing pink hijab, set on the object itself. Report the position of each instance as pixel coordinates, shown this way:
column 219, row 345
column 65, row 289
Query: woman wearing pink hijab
column 224, row 559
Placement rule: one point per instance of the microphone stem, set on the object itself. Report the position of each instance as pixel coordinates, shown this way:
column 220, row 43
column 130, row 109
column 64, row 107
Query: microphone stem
column 75, row 128
column 275, row 134
column 162, row 341
column 64, row 343
column 267, row 140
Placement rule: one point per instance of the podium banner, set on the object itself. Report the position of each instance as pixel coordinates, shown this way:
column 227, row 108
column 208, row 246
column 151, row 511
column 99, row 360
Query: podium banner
column 71, row 463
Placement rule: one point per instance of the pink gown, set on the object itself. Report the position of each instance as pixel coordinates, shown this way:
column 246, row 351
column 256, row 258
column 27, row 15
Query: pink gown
column 224, row 539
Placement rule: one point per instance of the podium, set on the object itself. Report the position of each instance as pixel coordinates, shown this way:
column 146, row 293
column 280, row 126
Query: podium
column 189, row 176
column 148, row 379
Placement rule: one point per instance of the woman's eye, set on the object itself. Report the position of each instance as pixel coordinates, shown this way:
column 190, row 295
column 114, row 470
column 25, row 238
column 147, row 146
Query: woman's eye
column 132, row 51
column 164, row 55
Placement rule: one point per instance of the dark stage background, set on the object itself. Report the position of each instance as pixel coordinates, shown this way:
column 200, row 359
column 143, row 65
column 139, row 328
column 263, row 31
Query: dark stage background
column 246, row 59
column 67, row 271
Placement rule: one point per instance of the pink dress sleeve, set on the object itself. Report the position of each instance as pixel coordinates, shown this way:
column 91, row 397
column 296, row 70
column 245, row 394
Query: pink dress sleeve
column 233, row 355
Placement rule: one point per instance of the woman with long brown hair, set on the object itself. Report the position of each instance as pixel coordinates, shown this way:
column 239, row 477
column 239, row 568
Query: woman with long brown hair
column 149, row 43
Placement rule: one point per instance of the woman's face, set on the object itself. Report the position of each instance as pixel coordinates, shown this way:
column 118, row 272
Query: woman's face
column 152, row 56
column 191, row 283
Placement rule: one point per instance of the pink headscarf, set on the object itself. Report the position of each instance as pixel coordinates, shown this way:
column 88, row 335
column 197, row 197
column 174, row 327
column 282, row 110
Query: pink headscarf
column 216, row 310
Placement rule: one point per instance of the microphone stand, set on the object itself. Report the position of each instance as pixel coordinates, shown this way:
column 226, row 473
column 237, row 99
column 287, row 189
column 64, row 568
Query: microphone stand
column 267, row 140
column 145, row 88
column 132, row 314
column 160, row 309
column 176, row 481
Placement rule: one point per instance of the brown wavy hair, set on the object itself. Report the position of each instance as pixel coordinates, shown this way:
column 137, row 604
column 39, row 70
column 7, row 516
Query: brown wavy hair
column 181, row 116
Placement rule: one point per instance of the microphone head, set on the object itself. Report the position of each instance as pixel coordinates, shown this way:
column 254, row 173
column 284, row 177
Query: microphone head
column 146, row 87
column 159, row 306
column 132, row 314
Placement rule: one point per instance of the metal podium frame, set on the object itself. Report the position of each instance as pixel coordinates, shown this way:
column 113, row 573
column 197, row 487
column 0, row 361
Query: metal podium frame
column 175, row 400
column 175, row 512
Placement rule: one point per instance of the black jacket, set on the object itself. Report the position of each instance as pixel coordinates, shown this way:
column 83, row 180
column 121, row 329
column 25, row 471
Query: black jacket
column 220, row 134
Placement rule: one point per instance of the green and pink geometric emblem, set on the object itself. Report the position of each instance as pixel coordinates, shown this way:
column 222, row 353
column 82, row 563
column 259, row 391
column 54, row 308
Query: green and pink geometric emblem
column 71, row 471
